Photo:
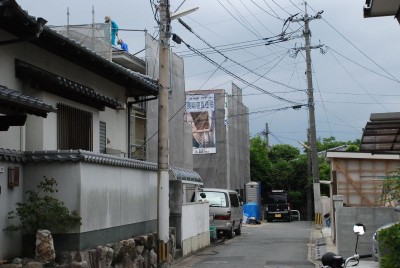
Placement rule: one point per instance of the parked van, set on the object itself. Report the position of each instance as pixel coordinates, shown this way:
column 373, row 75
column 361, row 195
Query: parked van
column 278, row 206
column 226, row 210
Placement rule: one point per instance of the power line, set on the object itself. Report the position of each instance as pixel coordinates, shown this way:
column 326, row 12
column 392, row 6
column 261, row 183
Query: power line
column 241, row 65
column 359, row 50
column 238, row 20
column 358, row 83
column 237, row 77
column 274, row 16
column 362, row 66
column 242, row 17
column 320, row 95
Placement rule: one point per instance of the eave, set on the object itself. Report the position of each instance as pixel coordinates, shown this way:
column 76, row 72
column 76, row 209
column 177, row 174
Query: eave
column 63, row 87
column 15, row 106
column 379, row 8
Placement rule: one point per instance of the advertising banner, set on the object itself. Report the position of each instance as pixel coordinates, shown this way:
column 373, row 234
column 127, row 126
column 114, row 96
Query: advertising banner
column 200, row 114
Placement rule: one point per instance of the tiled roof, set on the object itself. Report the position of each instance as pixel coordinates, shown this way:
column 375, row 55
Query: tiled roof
column 16, row 101
column 86, row 156
column 186, row 175
column 17, row 21
column 11, row 155
column 61, row 86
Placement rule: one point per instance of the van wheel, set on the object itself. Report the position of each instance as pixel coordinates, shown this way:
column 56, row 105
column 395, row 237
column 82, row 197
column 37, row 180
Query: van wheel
column 230, row 233
column 238, row 231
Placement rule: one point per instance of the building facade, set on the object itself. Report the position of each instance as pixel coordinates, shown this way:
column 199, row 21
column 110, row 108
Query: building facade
column 220, row 137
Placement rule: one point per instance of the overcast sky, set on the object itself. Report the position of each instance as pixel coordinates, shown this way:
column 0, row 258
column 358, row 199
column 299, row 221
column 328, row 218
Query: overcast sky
column 356, row 75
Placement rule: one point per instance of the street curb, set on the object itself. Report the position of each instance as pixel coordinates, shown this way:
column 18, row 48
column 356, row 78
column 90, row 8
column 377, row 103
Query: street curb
column 312, row 246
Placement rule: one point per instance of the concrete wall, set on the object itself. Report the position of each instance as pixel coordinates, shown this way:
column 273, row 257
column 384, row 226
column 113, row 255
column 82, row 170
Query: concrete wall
column 10, row 242
column 195, row 227
column 180, row 133
column 114, row 202
column 372, row 218
column 229, row 167
column 239, row 140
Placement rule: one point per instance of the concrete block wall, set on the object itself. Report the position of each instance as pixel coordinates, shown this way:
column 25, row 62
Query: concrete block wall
column 372, row 218
column 195, row 227
column 10, row 242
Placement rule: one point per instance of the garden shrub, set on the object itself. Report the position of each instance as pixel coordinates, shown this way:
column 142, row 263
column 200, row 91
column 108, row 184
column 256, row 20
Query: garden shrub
column 389, row 246
column 42, row 211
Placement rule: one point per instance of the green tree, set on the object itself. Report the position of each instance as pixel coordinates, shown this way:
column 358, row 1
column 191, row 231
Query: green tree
column 259, row 162
column 325, row 144
column 283, row 167
column 391, row 187
column 42, row 211
column 282, row 151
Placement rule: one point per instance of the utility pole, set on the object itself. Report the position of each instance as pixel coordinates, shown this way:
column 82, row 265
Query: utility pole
column 163, row 135
column 266, row 133
column 309, row 175
column 311, row 111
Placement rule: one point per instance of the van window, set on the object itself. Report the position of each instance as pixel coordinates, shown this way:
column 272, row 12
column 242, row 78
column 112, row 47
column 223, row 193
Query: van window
column 215, row 199
column 277, row 199
column 234, row 200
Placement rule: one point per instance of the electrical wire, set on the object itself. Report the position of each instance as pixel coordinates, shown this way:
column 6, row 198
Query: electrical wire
column 362, row 66
column 322, row 100
column 254, row 16
column 241, row 65
column 359, row 84
column 295, row 5
column 359, row 50
column 274, row 16
column 238, row 20
column 258, row 67
column 239, row 78
column 243, row 18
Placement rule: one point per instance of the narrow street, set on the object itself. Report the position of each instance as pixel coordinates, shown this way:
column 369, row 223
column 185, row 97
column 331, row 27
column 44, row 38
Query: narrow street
column 276, row 244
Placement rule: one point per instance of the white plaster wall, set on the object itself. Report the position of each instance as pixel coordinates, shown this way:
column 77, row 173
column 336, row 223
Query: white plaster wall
column 195, row 219
column 66, row 174
column 10, row 139
column 10, row 242
column 138, row 195
column 116, row 129
column 104, row 196
column 115, row 196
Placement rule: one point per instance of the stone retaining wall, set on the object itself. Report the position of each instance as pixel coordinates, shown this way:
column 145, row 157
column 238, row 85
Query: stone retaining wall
column 137, row 252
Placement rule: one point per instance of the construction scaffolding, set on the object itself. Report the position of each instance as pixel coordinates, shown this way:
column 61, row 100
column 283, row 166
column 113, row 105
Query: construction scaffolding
column 96, row 36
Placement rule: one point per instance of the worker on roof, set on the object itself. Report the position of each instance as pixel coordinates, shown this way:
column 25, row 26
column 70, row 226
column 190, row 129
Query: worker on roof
column 114, row 29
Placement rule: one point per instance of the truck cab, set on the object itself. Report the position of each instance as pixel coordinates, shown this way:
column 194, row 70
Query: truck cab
column 278, row 206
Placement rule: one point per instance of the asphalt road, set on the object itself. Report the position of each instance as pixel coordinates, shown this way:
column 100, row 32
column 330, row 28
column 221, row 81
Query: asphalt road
column 268, row 245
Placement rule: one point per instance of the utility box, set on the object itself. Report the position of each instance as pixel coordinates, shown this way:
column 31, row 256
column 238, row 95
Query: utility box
column 253, row 192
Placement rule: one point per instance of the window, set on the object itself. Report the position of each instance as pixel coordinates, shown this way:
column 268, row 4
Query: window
column 216, row 199
column 234, row 200
column 137, row 133
column 13, row 176
column 103, row 137
column 74, row 128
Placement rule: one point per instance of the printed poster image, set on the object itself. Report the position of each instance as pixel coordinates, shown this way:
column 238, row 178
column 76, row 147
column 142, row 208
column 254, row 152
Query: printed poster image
column 200, row 114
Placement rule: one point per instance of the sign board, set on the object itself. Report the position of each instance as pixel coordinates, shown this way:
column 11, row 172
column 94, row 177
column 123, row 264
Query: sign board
column 200, row 114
